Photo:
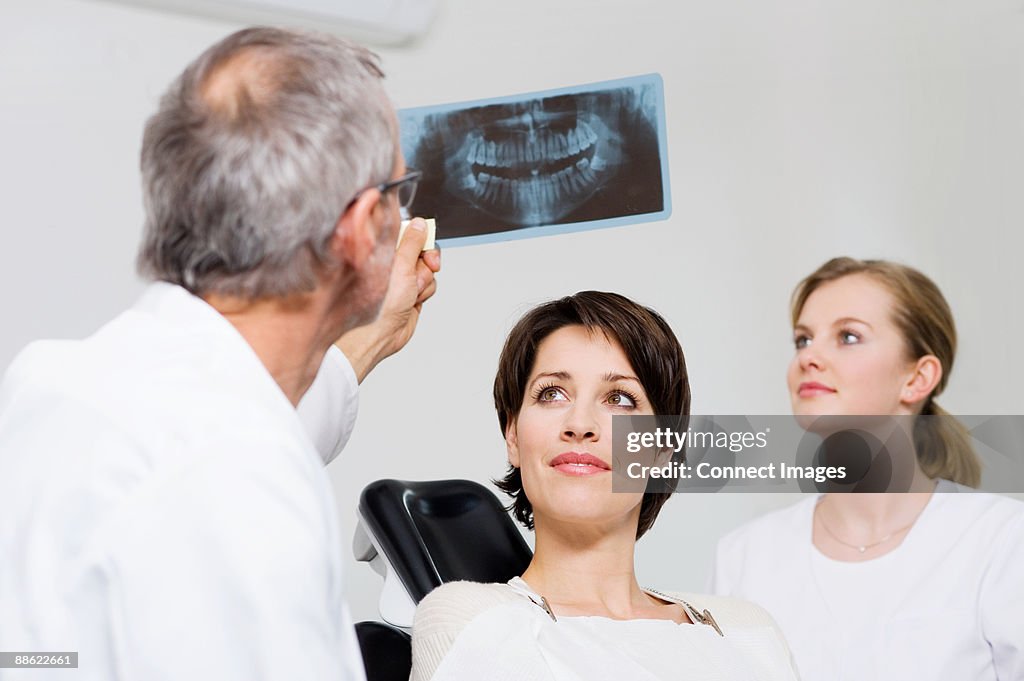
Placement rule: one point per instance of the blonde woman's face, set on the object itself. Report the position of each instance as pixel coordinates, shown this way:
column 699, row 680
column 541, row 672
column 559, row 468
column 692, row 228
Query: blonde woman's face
column 850, row 357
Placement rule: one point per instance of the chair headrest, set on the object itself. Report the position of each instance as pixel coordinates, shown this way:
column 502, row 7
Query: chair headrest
column 443, row 530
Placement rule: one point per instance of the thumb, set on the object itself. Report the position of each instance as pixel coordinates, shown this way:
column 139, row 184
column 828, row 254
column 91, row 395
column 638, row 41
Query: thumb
column 411, row 244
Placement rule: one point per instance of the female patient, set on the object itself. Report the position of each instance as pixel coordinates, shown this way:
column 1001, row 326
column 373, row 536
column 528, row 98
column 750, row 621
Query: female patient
column 922, row 585
column 578, row 612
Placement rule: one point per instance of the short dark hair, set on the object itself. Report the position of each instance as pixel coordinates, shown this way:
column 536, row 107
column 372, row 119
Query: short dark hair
column 649, row 343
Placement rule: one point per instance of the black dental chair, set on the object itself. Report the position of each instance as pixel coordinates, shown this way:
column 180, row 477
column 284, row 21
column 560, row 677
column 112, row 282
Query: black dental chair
column 418, row 535
column 387, row 655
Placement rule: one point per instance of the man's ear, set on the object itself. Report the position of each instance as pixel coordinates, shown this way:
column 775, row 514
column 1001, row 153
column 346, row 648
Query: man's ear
column 512, row 443
column 355, row 234
column 927, row 372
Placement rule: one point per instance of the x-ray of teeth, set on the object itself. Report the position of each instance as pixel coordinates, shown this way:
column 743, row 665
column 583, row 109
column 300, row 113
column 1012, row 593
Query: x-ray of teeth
column 541, row 163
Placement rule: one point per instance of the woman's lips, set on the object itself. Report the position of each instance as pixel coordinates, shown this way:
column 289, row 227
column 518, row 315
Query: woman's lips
column 813, row 389
column 576, row 463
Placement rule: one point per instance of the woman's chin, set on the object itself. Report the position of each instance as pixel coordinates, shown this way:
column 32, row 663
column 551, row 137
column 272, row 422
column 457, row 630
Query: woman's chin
column 587, row 507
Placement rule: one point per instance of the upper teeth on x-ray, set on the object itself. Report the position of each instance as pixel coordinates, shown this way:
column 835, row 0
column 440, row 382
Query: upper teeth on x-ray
column 535, row 167
column 539, row 161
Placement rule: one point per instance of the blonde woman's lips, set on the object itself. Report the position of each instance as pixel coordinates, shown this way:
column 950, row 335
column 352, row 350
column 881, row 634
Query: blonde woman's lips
column 813, row 389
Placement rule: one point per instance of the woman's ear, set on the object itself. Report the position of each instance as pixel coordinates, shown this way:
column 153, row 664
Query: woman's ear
column 926, row 374
column 663, row 456
column 512, row 444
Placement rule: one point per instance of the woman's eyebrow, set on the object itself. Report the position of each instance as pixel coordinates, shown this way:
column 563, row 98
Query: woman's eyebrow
column 803, row 328
column 613, row 378
column 847, row 320
column 560, row 375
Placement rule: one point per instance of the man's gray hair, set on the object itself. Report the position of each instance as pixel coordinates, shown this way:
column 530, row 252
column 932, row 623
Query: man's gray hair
column 255, row 153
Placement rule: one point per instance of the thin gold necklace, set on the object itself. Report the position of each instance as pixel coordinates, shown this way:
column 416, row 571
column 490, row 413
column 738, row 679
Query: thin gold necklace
column 862, row 548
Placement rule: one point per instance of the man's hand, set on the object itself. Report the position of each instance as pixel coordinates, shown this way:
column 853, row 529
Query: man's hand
column 411, row 284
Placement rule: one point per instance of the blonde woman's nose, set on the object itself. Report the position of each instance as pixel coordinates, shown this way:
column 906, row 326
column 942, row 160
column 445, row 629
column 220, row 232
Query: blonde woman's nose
column 810, row 358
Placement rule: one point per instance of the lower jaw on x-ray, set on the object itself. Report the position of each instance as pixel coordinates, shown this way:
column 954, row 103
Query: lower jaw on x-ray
column 534, row 168
column 539, row 161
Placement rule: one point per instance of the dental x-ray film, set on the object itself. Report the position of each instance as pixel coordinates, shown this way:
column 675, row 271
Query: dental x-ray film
column 541, row 163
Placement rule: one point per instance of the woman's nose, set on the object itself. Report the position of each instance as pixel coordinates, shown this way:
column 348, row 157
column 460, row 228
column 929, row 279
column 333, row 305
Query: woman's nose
column 809, row 357
column 581, row 423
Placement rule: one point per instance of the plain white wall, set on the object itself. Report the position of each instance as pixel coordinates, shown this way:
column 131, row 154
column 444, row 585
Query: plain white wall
column 797, row 131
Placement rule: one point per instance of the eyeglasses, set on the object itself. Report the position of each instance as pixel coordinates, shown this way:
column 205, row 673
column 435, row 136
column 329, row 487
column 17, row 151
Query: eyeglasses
column 405, row 187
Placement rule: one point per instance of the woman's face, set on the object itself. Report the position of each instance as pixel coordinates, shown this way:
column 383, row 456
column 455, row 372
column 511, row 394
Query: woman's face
column 850, row 357
column 562, row 437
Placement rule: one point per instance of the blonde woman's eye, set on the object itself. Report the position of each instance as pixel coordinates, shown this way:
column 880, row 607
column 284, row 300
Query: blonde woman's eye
column 848, row 337
column 621, row 399
column 801, row 342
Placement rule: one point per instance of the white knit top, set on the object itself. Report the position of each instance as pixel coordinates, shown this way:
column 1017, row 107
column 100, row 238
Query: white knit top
column 465, row 631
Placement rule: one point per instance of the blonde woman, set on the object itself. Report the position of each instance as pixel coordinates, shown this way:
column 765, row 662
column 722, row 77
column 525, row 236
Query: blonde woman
column 921, row 585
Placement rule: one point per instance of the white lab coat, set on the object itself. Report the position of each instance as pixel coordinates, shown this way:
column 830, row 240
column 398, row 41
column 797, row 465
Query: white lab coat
column 163, row 510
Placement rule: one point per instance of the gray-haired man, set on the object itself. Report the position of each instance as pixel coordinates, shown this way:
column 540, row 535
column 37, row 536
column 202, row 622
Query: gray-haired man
column 164, row 510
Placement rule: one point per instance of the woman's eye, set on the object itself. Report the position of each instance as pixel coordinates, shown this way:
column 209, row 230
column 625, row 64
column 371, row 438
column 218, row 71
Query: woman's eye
column 801, row 342
column 551, row 395
column 621, row 400
column 848, row 337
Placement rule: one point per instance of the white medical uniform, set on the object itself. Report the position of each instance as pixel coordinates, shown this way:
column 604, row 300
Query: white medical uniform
column 163, row 511
column 946, row 605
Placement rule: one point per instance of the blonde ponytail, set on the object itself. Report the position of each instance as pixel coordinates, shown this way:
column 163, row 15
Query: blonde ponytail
column 944, row 447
